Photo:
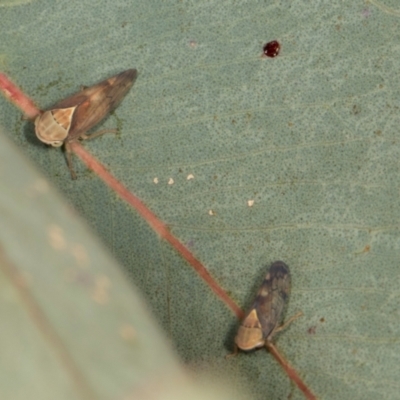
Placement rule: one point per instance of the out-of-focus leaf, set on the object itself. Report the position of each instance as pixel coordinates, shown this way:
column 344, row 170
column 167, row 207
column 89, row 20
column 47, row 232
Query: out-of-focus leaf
column 72, row 326
column 310, row 136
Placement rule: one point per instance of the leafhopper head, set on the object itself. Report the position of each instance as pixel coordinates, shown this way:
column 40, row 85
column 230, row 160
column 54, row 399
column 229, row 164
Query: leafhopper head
column 250, row 335
column 52, row 126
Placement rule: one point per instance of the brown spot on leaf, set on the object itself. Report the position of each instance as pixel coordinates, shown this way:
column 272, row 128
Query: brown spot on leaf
column 311, row 330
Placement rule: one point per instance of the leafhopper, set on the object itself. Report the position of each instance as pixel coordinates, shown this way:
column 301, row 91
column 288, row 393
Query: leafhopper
column 261, row 322
column 70, row 119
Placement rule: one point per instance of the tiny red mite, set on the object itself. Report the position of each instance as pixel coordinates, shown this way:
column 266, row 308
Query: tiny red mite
column 261, row 322
column 272, row 49
column 70, row 119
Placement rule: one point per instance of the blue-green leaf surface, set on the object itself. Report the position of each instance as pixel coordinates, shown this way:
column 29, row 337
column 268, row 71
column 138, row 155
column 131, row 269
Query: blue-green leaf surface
column 247, row 160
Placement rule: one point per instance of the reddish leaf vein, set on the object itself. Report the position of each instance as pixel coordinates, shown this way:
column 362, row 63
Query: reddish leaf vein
column 155, row 223
column 14, row 94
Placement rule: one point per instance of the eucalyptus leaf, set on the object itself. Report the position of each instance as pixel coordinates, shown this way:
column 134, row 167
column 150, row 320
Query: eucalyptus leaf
column 247, row 160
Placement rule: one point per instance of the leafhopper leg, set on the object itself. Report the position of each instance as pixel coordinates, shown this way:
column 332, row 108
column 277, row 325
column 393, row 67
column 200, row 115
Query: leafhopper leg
column 84, row 136
column 234, row 353
column 68, row 154
column 285, row 325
